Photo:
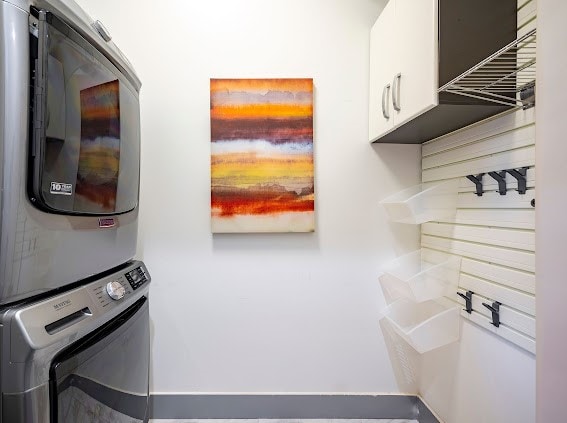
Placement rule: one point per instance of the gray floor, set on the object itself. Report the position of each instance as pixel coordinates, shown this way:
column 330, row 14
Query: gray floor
column 283, row 421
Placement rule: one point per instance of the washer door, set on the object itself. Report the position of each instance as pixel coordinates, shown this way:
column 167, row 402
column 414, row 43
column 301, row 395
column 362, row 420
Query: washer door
column 104, row 376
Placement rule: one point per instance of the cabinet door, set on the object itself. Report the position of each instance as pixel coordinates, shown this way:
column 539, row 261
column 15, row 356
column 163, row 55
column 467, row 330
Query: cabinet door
column 415, row 79
column 380, row 117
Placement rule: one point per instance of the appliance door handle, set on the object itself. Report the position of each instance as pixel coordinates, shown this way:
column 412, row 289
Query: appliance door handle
column 396, row 92
column 385, row 104
column 82, row 350
column 67, row 321
column 101, row 29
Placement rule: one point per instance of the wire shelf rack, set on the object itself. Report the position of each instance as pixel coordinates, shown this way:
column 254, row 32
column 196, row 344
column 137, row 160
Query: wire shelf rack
column 506, row 77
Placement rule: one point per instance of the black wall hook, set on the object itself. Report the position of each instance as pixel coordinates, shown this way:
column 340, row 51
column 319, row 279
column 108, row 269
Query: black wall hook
column 500, row 177
column 495, row 309
column 468, row 300
column 477, row 180
column 520, row 175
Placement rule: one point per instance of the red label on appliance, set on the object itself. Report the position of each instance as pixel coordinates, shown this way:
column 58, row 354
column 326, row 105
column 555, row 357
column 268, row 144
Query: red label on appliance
column 106, row 223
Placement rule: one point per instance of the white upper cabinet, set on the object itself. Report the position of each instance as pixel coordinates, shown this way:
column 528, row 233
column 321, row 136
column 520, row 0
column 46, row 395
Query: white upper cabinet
column 403, row 64
column 415, row 82
column 418, row 45
column 381, row 70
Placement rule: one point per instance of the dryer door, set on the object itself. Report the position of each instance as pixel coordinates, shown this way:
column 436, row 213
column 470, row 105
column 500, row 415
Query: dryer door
column 86, row 126
column 104, row 376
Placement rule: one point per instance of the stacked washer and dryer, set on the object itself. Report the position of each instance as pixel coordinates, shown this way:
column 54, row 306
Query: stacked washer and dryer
column 74, row 323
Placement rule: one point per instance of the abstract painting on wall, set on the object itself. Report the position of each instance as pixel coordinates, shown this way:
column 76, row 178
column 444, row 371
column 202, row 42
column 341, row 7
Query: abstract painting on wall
column 262, row 155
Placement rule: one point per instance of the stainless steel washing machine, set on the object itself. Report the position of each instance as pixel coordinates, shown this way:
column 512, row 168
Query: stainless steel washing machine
column 81, row 356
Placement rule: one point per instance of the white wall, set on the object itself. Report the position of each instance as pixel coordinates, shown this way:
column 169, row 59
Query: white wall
column 550, row 217
column 490, row 375
column 481, row 379
column 262, row 313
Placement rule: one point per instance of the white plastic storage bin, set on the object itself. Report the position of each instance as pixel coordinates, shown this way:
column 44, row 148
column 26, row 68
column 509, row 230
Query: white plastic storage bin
column 421, row 276
column 425, row 326
column 423, row 203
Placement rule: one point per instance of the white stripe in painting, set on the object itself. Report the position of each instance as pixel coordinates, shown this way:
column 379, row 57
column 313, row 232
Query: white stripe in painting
column 278, row 222
column 261, row 147
column 238, row 98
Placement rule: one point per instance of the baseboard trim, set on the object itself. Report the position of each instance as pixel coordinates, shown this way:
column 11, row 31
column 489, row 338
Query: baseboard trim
column 285, row 406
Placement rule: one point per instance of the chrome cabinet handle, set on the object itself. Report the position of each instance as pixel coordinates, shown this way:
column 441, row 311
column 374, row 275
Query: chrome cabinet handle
column 396, row 92
column 385, row 105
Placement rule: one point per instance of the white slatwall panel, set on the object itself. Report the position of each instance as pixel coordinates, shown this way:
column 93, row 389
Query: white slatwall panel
column 506, row 332
column 489, row 128
column 513, row 278
column 499, row 143
column 494, row 234
column 493, row 200
column 510, row 297
column 514, row 319
column 503, row 218
column 501, row 237
column 505, row 160
column 506, row 257
column 527, row 18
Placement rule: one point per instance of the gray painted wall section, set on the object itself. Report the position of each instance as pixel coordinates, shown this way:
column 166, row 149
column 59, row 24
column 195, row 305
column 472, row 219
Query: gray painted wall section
column 290, row 407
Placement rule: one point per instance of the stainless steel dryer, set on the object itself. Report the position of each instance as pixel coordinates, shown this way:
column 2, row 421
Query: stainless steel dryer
column 69, row 148
column 81, row 356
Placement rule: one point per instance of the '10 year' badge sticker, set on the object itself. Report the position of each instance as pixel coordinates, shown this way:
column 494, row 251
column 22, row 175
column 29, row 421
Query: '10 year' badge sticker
column 61, row 188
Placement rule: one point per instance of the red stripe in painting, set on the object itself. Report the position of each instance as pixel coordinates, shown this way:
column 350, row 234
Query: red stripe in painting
column 230, row 201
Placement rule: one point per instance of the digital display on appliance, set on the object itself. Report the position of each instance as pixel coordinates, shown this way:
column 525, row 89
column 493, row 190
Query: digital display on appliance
column 99, row 155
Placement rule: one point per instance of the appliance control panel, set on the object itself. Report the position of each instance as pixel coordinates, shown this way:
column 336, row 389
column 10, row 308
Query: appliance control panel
column 108, row 292
column 115, row 290
column 120, row 286
column 50, row 320
column 136, row 277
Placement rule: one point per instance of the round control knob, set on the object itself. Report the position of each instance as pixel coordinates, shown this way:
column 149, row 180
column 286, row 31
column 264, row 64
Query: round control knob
column 115, row 290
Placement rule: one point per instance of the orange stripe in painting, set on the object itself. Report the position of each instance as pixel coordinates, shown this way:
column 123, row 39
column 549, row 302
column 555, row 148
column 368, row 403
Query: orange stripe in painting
column 255, row 111
column 262, row 84
column 226, row 201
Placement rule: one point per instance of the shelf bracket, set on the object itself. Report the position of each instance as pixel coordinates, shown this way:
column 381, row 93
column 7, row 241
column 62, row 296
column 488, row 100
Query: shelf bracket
column 500, row 177
column 477, row 180
column 520, row 175
column 468, row 300
column 527, row 95
column 500, row 76
column 495, row 309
